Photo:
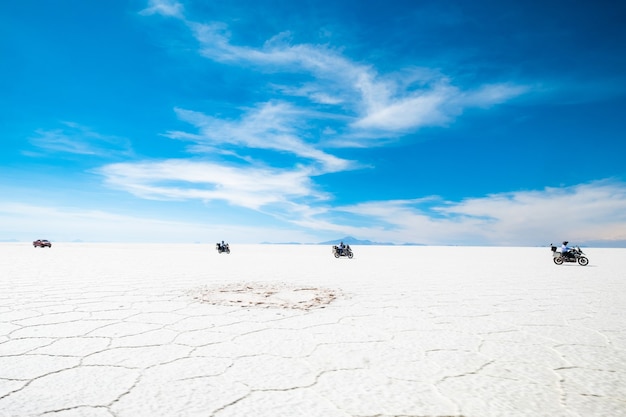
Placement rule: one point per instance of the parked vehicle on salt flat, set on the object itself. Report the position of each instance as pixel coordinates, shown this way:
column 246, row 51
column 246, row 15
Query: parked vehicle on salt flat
column 574, row 255
column 42, row 243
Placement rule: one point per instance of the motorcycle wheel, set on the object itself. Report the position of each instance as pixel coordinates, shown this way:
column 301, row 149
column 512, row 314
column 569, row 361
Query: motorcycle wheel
column 336, row 254
column 558, row 260
column 582, row 261
column 228, row 251
column 350, row 255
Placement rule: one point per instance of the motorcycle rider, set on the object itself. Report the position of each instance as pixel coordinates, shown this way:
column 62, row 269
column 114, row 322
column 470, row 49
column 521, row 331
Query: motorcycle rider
column 341, row 247
column 565, row 250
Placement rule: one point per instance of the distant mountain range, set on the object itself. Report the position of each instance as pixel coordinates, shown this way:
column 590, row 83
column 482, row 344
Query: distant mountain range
column 349, row 240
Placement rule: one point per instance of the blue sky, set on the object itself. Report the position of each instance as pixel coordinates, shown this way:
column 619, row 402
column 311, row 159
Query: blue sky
column 437, row 122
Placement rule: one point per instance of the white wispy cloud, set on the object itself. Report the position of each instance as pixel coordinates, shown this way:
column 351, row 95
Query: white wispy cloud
column 377, row 104
column 170, row 8
column 25, row 221
column 373, row 108
column 181, row 179
column 428, row 108
column 591, row 212
column 587, row 212
column 273, row 126
column 74, row 138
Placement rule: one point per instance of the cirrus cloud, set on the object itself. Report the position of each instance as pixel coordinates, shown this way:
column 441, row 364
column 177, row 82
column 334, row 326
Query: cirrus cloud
column 593, row 211
column 375, row 104
column 181, row 179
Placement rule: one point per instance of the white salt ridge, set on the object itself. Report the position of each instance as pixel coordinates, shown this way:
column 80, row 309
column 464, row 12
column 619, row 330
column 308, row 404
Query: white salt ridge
column 126, row 330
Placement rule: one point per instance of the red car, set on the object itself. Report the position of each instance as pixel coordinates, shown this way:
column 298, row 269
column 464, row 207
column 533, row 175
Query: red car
column 42, row 243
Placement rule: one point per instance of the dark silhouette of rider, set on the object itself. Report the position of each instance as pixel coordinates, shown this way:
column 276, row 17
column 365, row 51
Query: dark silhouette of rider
column 341, row 248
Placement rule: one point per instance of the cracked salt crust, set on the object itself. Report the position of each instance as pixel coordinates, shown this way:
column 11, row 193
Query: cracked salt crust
column 114, row 331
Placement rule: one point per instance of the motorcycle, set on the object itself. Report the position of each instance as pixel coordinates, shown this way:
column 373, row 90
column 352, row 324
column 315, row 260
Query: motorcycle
column 222, row 248
column 338, row 252
column 574, row 255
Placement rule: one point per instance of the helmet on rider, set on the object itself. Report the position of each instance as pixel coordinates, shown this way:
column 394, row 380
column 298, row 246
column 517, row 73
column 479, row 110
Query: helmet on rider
column 565, row 242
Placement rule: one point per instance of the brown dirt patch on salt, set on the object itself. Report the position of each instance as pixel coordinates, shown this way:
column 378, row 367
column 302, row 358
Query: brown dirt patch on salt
column 266, row 295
